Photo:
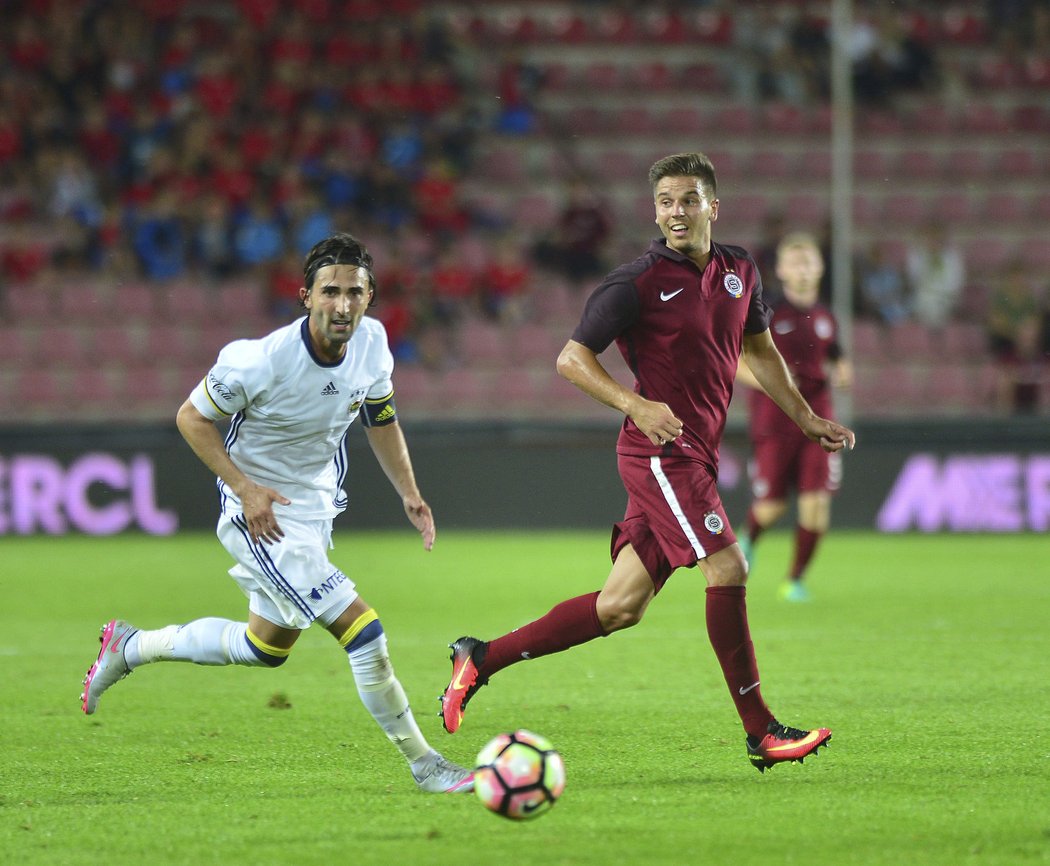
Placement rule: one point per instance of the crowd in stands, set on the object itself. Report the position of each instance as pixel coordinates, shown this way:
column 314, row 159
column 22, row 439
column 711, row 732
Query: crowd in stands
column 169, row 140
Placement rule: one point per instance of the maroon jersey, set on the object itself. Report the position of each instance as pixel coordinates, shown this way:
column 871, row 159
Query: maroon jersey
column 808, row 339
column 680, row 330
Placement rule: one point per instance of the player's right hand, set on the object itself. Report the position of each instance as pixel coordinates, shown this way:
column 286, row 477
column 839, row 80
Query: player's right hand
column 656, row 421
column 257, row 507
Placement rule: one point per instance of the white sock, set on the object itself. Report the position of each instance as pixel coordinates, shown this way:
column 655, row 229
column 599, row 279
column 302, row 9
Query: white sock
column 385, row 699
column 208, row 641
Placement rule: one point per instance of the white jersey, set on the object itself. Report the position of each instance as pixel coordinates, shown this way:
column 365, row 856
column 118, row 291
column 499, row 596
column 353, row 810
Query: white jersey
column 290, row 411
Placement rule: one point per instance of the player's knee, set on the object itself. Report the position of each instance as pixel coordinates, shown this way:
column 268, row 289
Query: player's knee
column 618, row 616
column 255, row 652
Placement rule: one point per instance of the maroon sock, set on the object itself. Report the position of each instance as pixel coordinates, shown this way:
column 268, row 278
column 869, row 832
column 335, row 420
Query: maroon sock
column 565, row 625
column 754, row 528
column 805, row 546
column 731, row 638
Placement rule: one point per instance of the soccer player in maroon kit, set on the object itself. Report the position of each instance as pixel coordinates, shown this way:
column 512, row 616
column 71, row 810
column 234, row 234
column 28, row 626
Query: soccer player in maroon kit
column 681, row 315
column 783, row 458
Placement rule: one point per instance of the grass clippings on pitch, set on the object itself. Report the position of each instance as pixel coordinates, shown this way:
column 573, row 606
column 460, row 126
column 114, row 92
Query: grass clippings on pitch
column 929, row 657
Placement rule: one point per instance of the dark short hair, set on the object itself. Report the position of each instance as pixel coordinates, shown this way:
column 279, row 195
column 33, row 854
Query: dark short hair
column 685, row 165
column 341, row 248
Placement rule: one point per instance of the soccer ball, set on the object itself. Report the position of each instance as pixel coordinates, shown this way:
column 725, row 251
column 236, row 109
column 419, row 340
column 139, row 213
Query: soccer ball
column 519, row 775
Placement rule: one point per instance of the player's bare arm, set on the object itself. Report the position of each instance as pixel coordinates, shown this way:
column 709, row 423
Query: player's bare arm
column 389, row 446
column 580, row 366
column 767, row 365
column 257, row 501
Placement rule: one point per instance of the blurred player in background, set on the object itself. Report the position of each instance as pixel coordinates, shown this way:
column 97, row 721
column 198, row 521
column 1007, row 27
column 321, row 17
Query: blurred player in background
column 784, row 459
column 681, row 315
column 290, row 398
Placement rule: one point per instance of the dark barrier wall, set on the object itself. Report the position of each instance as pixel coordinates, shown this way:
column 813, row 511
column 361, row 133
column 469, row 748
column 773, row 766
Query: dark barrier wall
column 964, row 476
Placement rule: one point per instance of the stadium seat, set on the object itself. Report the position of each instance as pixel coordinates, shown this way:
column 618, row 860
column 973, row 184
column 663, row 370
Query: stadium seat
column 134, row 301
column 737, row 119
column 966, row 162
column 537, row 344
column 815, row 165
column 483, row 342
column 651, row 76
column 602, row 77
column 27, row 303
column 866, row 210
column 869, row 340
column 873, row 163
column 918, row 164
column 19, row 346
column 186, row 302
column 1017, row 162
column 536, row 211
column 911, row 340
column 91, row 390
column 1004, row 207
column 904, row 208
column 783, row 119
column 1034, row 253
column 615, row 164
column 955, row 206
column 636, row 120
column 984, row 117
column 687, row 119
column 37, row 388
column 772, row 164
column 500, row 164
column 116, row 344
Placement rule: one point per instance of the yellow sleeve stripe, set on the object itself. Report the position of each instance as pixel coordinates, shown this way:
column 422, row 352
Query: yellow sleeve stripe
column 266, row 648
column 379, row 399
column 212, row 399
column 358, row 626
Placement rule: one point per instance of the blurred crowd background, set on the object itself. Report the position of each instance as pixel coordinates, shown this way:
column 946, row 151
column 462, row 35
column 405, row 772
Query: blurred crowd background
column 166, row 164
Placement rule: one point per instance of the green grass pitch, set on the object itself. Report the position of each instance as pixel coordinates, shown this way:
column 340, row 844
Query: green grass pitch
column 929, row 657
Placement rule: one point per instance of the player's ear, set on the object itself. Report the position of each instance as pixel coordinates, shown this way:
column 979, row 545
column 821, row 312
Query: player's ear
column 304, row 296
column 714, row 210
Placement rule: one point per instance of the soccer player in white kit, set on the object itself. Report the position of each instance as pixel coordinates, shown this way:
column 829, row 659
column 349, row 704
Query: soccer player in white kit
column 290, row 398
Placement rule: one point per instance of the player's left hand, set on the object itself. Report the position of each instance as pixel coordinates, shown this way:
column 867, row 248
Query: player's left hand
column 422, row 519
column 831, row 436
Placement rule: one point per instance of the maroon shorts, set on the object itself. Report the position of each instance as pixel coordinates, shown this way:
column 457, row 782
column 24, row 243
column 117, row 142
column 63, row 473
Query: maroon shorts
column 780, row 464
column 674, row 514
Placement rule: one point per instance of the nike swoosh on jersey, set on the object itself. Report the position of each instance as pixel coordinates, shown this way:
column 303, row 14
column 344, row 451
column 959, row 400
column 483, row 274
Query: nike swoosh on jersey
column 666, row 296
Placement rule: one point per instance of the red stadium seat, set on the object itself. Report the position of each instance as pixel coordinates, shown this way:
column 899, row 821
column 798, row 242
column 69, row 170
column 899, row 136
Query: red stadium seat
column 873, row 163
column 966, row 163
column 918, row 164
column 482, row 342
column 1020, row 162
column 1004, row 207
column 815, row 164
column 785, row 119
column 615, row 164
column 904, row 208
column 985, row 117
column 772, row 164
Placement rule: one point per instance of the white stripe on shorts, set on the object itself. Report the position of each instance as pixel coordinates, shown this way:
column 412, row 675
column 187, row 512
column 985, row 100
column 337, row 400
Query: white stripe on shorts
column 676, row 508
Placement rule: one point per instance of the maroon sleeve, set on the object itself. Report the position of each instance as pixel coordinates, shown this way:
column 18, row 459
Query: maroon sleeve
column 759, row 313
column 610, row 310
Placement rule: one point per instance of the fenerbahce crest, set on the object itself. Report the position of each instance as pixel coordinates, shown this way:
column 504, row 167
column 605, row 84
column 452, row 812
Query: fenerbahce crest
column 733, row 284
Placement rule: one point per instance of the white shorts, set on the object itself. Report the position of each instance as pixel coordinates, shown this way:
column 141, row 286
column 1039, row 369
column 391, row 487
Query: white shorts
column 291, row 583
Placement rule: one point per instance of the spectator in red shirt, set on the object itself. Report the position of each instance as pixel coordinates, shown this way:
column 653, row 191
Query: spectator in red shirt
column 505, row 282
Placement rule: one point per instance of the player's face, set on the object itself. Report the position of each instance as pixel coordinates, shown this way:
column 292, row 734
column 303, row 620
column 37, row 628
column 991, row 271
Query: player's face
column 799, row 269
column 336, row 302
column 684, row 214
